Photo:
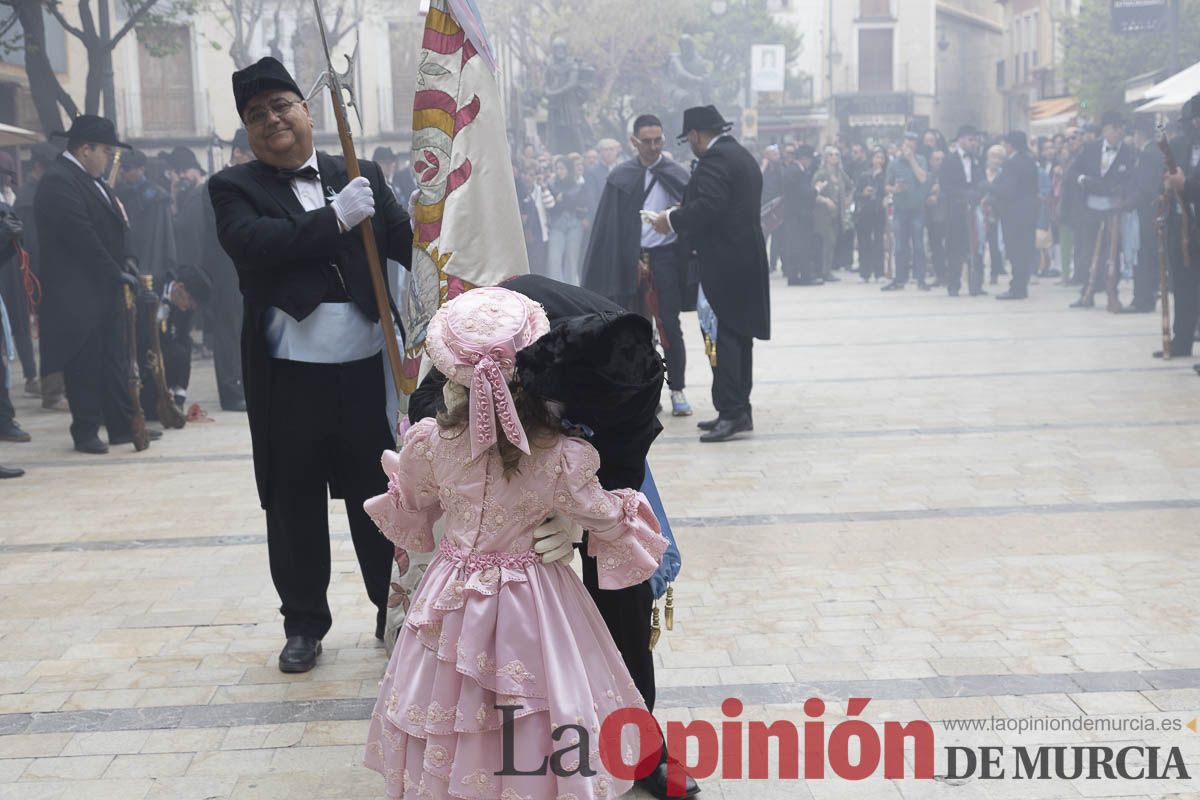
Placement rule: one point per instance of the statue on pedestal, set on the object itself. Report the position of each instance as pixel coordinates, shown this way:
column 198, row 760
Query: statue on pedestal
column 566, row 89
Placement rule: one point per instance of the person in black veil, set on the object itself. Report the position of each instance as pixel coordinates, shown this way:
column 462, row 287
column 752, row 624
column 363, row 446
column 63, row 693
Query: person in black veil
column 598, row 361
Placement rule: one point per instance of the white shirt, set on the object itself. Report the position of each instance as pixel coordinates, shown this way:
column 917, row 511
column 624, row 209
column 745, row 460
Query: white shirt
column 1107, row 157
column 968, row 164
column 334, row 333
column 658, row 200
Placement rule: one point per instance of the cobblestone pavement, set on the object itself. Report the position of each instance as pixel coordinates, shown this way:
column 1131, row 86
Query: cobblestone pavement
column 956, row 507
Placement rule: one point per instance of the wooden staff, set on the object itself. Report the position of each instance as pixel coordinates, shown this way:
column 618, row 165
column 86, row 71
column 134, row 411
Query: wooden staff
column 168, row 413
column 1184, row 212
column 375, row 266
column 1086, row 300
column 141, row 438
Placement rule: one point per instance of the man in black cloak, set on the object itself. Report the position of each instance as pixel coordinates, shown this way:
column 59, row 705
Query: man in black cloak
column 622, row 246
column 151, row 230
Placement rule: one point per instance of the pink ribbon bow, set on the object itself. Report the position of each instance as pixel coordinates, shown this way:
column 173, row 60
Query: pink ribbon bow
column 491, row 400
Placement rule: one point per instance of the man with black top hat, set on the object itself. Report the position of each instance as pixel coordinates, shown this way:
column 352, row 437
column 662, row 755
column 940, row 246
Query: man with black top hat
column 959, row 180
column 1104, row 172
column 1185, row 273
column 721, row 217
column 81, row 231
column 1014, row 196
column 312, row 345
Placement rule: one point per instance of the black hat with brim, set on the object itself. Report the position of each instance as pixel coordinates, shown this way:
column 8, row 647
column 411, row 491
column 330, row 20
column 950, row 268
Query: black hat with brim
column 134, row 160
column 90, row 129
column 265, row 75
column 182, row 159
column 1112, row 118
column 966, row 130
column 703, row 118
column 805, row 150
column 383, row 154
column 1017, row 140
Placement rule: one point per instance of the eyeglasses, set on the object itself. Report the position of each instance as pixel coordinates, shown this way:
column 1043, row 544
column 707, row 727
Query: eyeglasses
column 652, row 142
column 278, row 107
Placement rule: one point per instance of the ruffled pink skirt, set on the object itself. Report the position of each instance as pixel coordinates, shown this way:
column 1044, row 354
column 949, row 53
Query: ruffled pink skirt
column 499, row 629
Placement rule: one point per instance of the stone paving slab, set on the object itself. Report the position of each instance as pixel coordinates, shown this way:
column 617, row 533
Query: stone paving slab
column 961, row 509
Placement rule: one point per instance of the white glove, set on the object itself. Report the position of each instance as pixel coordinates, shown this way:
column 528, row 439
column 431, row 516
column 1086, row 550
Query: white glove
column 555, row 540
column 354, row 203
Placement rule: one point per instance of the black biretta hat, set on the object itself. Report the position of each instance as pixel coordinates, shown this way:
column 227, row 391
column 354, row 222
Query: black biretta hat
column 265, row 75
column 966, row 130
column 703, row 118
column 90, row 129
column 182, row 158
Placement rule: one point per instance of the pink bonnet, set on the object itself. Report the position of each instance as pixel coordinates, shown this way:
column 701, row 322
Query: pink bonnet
column 473, row 340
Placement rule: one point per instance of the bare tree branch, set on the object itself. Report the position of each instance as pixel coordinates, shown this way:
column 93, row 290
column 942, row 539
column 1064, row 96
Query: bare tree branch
column 134, row 18
column 87, row 22
column 52, row 7
column 8, row 24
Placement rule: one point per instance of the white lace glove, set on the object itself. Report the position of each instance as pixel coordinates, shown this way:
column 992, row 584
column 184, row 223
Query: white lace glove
column 354, row 203
column 555, row 540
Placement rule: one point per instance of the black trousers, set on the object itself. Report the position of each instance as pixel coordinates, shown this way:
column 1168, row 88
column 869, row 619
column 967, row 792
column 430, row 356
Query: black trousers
column 869, row 231
column 626, row 612
column 666, row 266
column 226, row 321
column 7, row 412
column 995, row 257
column 1020, row 245
column 12, row 289
column 937, row 249
column 1145, row 272
column 96, row 380
column 327, row 429
column 959, row 251
column 1185, row 285
column 1087, row 233
column 733, row 376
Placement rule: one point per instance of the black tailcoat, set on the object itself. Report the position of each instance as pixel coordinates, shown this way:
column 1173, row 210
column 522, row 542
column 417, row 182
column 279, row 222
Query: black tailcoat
column 722, row 218
column 282, row 255
column 81, row 254
column 1116, row 183
column 1015, row 195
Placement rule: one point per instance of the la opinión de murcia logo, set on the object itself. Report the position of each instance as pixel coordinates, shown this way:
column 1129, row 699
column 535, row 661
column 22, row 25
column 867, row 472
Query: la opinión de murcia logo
column 740, row 749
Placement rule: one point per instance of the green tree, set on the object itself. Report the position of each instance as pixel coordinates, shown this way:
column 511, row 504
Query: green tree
column 1097, row 62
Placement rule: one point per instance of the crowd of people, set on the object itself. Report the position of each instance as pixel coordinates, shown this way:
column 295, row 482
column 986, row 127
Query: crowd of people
column 96, row 212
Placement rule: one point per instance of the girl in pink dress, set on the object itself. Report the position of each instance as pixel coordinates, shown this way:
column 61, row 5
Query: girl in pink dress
column 490, row 623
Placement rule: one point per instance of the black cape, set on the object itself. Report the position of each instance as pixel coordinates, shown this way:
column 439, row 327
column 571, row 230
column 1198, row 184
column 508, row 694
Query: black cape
column 151, row 238
column 610, row 266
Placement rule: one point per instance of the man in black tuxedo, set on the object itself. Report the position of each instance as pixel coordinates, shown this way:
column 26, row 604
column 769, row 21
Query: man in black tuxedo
column 959, row 181
column 81, row 229
column 1185, row 277
column 1104, row 172
column 721, row 216
column 1014, row 195
column 311, row 345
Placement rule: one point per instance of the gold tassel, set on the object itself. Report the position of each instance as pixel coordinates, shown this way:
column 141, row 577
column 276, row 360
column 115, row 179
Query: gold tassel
column 655, row 629
column 670, row 612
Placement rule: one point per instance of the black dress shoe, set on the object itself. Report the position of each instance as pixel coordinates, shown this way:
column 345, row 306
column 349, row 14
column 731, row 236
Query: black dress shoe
column 92, row 446
column 299, row 654
column 891, row 287
column 151, row 434
column 1137, row 310
column 1011, row 295
column 10, row 472
column 12, row 432
column 708, row 424
column 728, row 428
column 1159, row 354
column 656, row 784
